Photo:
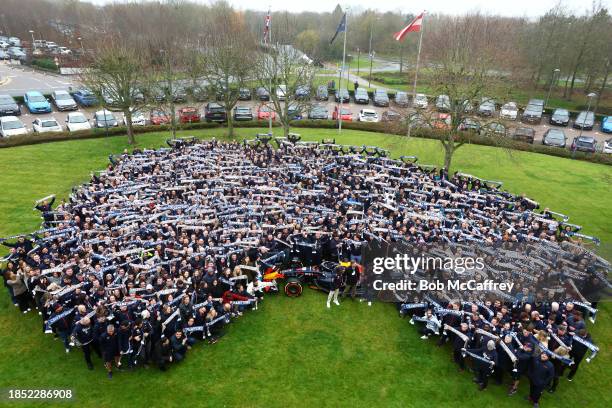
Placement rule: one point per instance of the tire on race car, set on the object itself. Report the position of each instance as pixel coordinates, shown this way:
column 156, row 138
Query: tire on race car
column 293, row 287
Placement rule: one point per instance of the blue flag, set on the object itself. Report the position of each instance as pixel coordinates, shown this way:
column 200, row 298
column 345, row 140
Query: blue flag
column 341, row 28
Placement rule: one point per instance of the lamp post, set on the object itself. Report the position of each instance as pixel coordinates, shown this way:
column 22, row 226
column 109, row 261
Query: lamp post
column 552, row 81
column 370, row 52
column 33, row 42
column 590, row 96
column 358, row 58
column 81, row 42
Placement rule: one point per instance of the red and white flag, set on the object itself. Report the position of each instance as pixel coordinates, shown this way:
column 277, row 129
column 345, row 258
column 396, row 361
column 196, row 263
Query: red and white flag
column 414, row 26
column 267, row 29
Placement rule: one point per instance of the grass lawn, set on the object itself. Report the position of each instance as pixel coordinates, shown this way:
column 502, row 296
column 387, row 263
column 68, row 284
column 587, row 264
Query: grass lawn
column 295, row 352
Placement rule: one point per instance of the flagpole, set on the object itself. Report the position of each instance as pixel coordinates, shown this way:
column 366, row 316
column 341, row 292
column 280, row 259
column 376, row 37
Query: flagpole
column 341, row 69
column 416, row 70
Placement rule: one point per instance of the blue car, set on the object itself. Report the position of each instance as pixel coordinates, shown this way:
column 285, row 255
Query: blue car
column 606, row 124
column 85, row 97
column 36, row 102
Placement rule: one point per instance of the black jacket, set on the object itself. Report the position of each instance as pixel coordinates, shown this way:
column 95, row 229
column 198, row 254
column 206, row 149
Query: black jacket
column 541, row 372
column 83, row 334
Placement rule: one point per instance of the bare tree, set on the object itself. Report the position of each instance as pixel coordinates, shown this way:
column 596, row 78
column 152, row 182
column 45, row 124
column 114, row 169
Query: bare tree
column 287, row 75
column 116, row 77
column 228, row 50
column 465, row 80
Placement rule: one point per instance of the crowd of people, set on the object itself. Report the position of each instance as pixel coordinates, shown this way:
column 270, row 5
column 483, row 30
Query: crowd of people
column 164, row 247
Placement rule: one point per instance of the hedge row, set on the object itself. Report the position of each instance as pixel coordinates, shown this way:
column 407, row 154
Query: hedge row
column 36, row 138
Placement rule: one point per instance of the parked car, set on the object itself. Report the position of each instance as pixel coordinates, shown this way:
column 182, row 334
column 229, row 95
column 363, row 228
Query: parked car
column 380, row 98
column 4, row 44
column 108, row 99
column 585, row 120
column 342, row 96
column 159, row 117
column 469, row 124
column 105, row 118
column 281, row 92
column 361, row 96
column 16, row 53
column 4, row 55
column 390, row 116
column 322, row 93
column 188, row 114
column 77, row 121
column 302, row 92
column 442, row 121
column 486, row 107
column 294, row 112
column 524, row 134
column 417, row 120
column 199, row 94
column 51, row 44
column 64, row 50
column 63, row 101
column 584, row 144
column 607, row 146
column 263, row 94
column 559, row 117
column 138, row 119
column 509, row 111
column 533, row 111
column 554, row 137
column 401, row 99
column 244, row 94
column 318, row 112
column 45, row 125
column 243, row 113
column 443, row 103
column 8, row 106
column 213, row 112
column 265, row 113
column 345, row 114
column 606, row 124
column 420, row 101
column 368, row 115
column 36, row 102
column 85, row 97
column 493, row 128
column 11, row 126
column 14, row 41
column 179, row 94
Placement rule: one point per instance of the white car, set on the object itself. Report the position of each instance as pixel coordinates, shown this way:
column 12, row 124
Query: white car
column 77, row 121
column 368, row 115
column 420, row 101
column 138, row 119
column 509, row 111
column 4, row 44
column 64, row 50
column 44, row 125
column 281, row 91
column 607, row 146
column 11, row 126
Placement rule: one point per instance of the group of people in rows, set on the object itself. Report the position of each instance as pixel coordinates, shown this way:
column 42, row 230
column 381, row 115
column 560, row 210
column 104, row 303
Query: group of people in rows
column 163, row 248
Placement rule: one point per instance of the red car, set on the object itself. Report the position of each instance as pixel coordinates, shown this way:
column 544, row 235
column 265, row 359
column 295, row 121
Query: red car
column 345, row 114
column 264, row 112
column 189, row 114
column 159, row 117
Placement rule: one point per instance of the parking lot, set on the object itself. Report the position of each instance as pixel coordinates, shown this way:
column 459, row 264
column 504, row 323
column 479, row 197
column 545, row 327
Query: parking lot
column 18, row 80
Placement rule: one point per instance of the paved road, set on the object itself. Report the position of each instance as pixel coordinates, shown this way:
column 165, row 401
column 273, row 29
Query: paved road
column 17, row 80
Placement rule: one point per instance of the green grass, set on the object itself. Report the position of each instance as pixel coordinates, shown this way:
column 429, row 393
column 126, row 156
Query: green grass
column 295, row 352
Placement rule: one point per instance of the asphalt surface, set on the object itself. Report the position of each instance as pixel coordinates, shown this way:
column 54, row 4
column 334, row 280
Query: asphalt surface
column 16, row 80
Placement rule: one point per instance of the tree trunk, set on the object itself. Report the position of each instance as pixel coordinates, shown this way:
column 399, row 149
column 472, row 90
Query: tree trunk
column 130, row 128
column 230, row 122
column 286, row 127
column 565, row 88
column 449, row 150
